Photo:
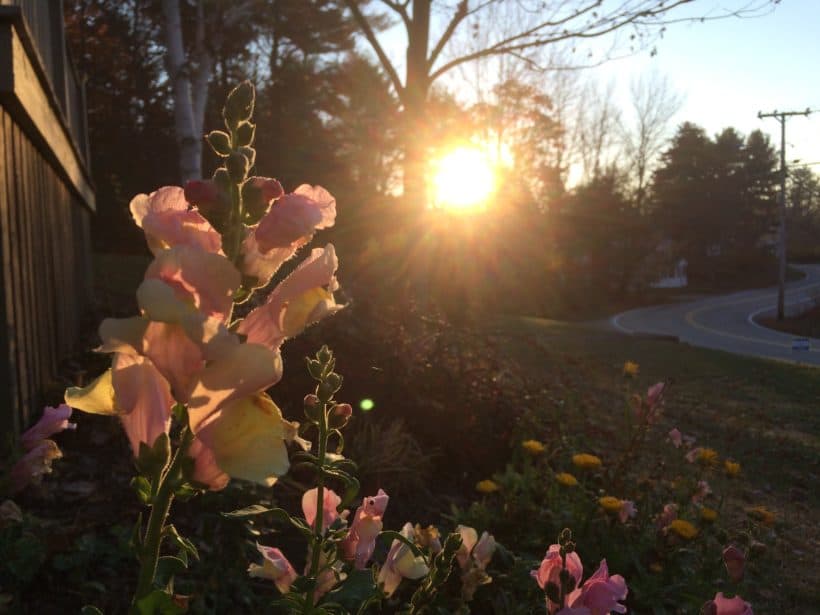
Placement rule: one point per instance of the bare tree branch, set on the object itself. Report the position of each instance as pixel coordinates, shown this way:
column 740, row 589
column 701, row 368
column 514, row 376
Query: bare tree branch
column 362, row 22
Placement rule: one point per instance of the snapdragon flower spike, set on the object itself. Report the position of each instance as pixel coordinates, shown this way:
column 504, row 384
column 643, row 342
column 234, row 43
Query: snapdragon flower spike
column 401, row 563
column 300, row 300
column 480, row 551
column 167, row 221
column 720, row 605
column 600, row 593
column 360, row 541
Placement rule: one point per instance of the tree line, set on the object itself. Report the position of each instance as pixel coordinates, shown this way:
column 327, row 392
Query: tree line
column 592, row 197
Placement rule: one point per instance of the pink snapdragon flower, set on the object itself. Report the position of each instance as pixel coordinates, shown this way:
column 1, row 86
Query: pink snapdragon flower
column 31, row 467
column 668, row 515
column 627, row 511
column 735, row 561
column 294, row 217
column 474, row 549
column 676, row 437
column 550, row 571
column 701, row 491
column 167, row 221
column 401, row 563
column 54, row 420
column 275, row 566
column 360, row 541
column 289, row 224
column 329, row 504
column 600, row 593
column 300, row 300
column 720, row 605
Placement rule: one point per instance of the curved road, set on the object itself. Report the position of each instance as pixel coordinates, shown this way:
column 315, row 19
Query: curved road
column 726, row 322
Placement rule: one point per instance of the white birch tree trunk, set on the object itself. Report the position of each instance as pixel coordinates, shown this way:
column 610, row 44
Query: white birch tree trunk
column 189, row 84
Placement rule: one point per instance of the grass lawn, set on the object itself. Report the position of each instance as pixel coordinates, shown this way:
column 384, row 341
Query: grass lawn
column 763, row 414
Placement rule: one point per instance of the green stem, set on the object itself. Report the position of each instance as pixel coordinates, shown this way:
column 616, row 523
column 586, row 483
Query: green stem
column 320, row 494
column 160, row 507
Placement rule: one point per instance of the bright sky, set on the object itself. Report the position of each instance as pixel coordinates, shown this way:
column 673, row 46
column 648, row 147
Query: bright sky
column 728, row 70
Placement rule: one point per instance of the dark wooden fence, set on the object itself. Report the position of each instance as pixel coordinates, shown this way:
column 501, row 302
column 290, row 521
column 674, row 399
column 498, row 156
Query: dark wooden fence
column 46, row 201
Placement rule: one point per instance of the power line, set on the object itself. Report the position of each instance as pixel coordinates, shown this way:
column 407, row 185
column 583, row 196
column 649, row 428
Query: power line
column 781, row 116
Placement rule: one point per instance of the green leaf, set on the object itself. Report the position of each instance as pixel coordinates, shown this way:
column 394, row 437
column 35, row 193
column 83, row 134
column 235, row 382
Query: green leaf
column 158, row 602
column 152, row 460
column 180, row 541
column 248, row 511
column 142, row 488
column 90, row 609
column 351, row 491
column 167, row 567
column 358, row 589
column 136, row 535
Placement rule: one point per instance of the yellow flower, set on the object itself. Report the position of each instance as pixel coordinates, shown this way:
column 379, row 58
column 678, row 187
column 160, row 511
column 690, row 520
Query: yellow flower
column 631, row 368
column 708, row 514
column 707, row 456
column 732, row 468
column 762, row 514
column 487, row 486
column 566, row 479
column 586, row 461
column 684, row 529
column 610, row 504
column 533, row 447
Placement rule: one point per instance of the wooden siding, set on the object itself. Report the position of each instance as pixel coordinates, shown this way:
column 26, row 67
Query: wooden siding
column 46, row 271
column 46, row 201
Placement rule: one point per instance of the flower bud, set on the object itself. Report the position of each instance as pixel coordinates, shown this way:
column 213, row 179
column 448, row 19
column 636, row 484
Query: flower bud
column 220, row 142
column 245, row 133
column 313, row 407
column 324, row 355
column 340, row 416
column 249, row 153
column 237, row 166
column 239, row 105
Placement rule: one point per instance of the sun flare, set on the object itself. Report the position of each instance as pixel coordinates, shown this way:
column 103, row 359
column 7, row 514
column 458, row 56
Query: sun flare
column 463, row 179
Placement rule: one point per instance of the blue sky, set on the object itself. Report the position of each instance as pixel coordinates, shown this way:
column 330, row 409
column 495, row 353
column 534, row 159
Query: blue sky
column 728, row 70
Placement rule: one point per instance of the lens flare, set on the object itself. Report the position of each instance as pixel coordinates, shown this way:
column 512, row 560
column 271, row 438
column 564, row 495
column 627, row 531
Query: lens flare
column 464, row 179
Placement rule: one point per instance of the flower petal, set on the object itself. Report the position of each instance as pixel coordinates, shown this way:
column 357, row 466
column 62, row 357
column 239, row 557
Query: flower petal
column 243, row 370
column 96, row 398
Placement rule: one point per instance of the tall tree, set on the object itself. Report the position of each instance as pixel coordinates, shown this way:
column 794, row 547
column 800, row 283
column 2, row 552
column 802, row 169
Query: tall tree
column 537, row 23
column 654, row 104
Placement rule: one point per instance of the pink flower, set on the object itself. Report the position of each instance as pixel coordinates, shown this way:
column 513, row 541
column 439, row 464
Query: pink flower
column 474, row 549
column 668, row 515
column 288, row 225
column 550, row 571
column 360, row 541
column 727, row 606
column 33, row 465
column 167, row 222
column 627, row 511
column 204, row 194
column 275, row 566
column 143, row 399
column 53, row 420
column 735, row 561
column 701, row 491
column 676, row 437
column 601, row 593
column 329, row 504
column 301, row 299
column 293, row 218
column 401, row 563
column 570, row 611
column 654, row 395
column 206, row 469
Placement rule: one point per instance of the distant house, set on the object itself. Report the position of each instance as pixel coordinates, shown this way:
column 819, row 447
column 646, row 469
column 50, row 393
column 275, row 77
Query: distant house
column 46, row 203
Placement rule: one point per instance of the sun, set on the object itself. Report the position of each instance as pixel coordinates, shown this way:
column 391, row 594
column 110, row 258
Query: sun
column 463, row 180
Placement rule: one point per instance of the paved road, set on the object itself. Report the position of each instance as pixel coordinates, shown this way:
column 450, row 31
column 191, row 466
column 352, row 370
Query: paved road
column 727, row 322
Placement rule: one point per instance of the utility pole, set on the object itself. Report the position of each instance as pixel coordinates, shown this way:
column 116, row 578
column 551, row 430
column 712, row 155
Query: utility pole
column 781, row 116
